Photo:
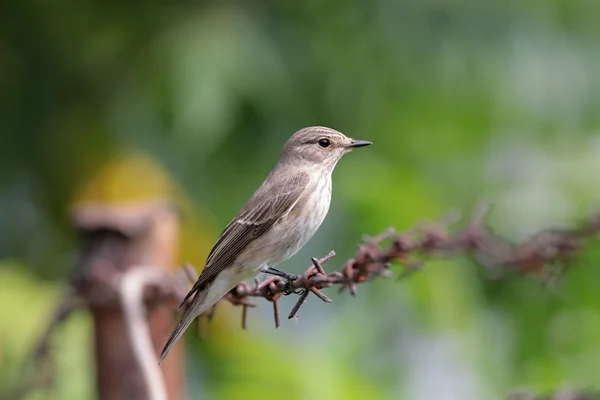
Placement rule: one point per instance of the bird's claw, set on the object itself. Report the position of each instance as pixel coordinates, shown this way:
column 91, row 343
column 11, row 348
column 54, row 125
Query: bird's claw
column 289, row 279
column 289, row 288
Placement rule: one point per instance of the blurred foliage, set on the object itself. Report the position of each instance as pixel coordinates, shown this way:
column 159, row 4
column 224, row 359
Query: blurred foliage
column 463, row 100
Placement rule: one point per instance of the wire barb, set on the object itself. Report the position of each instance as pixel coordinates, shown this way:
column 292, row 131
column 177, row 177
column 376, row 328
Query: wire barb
column 548, row 254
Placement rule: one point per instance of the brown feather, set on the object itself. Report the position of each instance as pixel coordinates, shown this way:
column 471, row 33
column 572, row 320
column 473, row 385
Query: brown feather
column 263, row 209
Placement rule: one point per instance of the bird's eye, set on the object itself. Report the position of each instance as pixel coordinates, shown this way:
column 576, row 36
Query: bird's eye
column 324, row 143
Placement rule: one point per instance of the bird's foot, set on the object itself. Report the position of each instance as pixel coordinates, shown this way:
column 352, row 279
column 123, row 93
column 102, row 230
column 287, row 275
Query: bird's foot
column 289, row 278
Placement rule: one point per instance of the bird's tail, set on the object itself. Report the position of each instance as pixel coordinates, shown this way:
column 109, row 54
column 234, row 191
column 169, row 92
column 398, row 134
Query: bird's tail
column 196, row 308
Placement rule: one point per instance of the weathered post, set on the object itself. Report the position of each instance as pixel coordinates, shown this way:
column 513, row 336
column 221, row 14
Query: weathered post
column 115, row 239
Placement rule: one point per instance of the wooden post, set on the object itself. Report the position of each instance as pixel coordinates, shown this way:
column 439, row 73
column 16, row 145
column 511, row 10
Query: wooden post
column 114, row 239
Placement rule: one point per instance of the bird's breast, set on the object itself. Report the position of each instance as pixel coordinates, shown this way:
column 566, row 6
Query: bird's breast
column 293, row 231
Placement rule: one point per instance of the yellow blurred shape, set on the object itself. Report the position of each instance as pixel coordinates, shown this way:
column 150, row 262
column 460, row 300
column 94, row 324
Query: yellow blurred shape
column 135, row 178
column 131, row 176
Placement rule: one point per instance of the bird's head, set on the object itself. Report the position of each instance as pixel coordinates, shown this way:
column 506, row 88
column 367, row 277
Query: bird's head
column 320, row 146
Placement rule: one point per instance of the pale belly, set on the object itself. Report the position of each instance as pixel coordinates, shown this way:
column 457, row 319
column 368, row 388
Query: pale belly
column 289, row 235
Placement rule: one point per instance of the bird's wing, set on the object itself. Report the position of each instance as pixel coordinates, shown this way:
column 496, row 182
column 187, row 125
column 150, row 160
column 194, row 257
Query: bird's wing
column 259, row 214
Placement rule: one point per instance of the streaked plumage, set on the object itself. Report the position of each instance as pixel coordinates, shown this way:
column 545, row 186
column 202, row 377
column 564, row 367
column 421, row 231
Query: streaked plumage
column 276, row 222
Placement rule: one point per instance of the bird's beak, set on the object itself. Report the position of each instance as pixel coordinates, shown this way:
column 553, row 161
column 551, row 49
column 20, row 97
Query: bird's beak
column 358, row 143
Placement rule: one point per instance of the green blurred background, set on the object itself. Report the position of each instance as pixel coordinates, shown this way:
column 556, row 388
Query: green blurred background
column 464, row 101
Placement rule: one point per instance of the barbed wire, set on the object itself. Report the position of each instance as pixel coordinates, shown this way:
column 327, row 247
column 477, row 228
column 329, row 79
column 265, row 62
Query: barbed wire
column 562, row 394
column 547, row 255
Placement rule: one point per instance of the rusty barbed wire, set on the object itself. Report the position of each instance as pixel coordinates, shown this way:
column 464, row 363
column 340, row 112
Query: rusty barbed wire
column 563, row 394
column 546, row 255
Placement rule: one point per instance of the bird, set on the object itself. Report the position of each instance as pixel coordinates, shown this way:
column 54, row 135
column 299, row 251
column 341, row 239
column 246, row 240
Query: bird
column 277, row 221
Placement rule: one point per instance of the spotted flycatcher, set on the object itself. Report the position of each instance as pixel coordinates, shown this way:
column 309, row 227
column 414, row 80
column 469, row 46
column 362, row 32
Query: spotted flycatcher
column 277, row 221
